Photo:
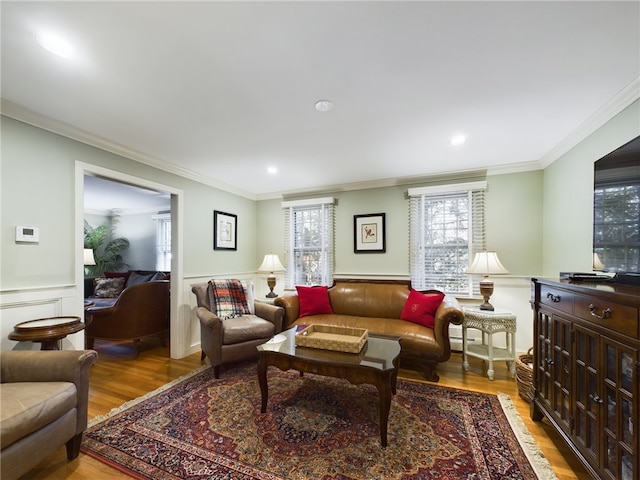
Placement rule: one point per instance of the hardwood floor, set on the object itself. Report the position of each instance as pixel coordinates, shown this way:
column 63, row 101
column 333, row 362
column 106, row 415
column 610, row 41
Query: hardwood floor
column 117, row 377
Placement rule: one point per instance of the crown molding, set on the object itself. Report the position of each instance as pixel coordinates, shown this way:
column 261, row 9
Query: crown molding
column 17, row 112
column 614, row 106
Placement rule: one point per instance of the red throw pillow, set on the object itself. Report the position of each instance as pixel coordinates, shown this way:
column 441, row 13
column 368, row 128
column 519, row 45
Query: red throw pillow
column 421, row 308
column 313, row 300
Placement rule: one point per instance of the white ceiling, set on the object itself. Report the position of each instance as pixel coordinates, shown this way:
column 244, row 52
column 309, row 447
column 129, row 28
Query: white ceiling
column 219, row 91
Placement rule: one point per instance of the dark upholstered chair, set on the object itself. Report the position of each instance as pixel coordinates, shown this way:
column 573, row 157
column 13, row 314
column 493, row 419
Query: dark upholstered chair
column 141, row 310
column 234, row 339
column 44, row 397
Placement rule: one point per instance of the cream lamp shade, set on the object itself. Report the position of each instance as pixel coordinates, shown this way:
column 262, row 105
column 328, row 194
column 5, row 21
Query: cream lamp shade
column 271, row 264
column 486, row 263
column 89, row 259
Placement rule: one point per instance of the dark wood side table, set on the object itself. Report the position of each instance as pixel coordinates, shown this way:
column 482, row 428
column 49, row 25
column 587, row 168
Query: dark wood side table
column 47, row 331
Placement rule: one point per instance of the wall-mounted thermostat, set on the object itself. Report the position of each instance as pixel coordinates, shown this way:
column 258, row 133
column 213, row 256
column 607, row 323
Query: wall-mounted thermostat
column 27, row 234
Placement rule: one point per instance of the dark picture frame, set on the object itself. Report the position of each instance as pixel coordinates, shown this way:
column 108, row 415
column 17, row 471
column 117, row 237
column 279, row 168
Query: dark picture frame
column 369, row 233
column 225, row 231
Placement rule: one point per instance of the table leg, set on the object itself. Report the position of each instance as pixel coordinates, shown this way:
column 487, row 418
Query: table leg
column 465, row 361
column 262, row 380
column 490, row 355
column 385, row 387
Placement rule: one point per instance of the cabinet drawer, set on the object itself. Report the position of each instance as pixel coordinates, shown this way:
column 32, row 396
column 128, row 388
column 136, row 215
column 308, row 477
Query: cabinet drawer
column 619, row 318
column 556, row 298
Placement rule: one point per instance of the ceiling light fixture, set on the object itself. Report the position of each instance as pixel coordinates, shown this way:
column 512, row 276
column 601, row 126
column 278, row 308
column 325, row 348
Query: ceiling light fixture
column 55, row 44
column 272, row 170
column 323, row 105
column 458, row 140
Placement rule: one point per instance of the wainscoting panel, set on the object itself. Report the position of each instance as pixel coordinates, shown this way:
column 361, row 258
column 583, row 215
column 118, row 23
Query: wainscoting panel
column 30, row 304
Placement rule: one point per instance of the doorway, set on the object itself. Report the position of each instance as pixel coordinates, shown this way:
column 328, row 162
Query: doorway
column 131, row 188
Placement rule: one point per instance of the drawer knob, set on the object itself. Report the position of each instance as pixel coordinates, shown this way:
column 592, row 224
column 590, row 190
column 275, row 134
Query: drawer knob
column 606, row 313
column 553, row 298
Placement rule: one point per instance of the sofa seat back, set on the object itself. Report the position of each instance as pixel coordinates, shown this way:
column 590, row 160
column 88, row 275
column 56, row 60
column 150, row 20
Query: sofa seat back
column 29, row 406
column 380, row 300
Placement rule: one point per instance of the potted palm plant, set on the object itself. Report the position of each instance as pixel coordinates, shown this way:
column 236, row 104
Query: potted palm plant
column 109, row 257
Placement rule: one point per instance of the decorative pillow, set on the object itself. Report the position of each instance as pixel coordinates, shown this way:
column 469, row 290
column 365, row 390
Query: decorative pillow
column 421, row 307
column 227, row 298
column 108, row 287
column 135, row 278
column 313, row 300
column 124, row 275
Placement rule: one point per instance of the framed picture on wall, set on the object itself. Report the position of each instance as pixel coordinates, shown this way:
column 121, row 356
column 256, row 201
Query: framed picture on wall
column 225, row 231
column 368, row 233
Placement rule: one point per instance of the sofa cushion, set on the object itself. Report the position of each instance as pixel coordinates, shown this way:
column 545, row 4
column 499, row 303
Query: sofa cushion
column 313, row 300
column 108, row 287
column 421, row 307
column 227, row 298
column 415, row 337
column 28, row 406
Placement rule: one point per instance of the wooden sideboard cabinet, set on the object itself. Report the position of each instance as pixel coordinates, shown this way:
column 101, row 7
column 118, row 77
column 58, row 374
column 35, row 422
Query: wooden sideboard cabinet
column 586, row 371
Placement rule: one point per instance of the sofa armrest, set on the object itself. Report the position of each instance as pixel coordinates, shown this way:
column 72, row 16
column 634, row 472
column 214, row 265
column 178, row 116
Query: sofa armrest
column 46, row 365
column 291, row 305
column 448, row 312
column 273, row 313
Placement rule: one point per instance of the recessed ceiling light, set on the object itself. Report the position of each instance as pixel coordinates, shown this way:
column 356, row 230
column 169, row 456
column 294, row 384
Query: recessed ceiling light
column 272, row 170
column 323, row 105
column 458, row 140
column 55, row 44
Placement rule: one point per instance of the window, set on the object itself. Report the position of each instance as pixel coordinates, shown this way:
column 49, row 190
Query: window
column 163, row 241
column 309, row 232
column 446, row 229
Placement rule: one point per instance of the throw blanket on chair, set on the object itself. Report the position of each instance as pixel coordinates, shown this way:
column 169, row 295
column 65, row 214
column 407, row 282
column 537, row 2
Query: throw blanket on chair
column 228, row 298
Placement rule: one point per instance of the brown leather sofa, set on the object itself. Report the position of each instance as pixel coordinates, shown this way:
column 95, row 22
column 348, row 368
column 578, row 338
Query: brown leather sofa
column 377, row 307
column 44, row 399
column 141, row 310
column 234, row 339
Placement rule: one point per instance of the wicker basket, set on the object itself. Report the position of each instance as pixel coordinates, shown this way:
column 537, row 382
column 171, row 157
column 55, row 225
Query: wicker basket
column 524, row 375
column 328, row 337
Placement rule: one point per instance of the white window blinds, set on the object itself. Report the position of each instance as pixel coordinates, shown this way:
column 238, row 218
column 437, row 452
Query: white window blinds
column 446, row 226
column 309, row 242
column 163, row 241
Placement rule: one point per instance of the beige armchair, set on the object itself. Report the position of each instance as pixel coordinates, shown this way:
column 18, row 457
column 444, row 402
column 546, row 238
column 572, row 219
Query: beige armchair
column 234, row 339
column 44, row 398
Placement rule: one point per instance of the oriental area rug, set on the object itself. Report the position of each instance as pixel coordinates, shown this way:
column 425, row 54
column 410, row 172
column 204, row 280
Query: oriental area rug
column 199, row 427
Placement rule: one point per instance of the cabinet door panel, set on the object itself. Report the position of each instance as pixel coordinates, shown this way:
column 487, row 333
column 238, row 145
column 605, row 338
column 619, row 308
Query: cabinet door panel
column 588, row 402
column 621, row 388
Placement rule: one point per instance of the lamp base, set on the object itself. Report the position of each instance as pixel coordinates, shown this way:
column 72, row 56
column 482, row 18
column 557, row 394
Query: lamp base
column 486, row 290
column 271, row 282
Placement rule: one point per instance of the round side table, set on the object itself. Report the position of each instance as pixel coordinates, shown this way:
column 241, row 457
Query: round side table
column 490, row 322
column 47, row 331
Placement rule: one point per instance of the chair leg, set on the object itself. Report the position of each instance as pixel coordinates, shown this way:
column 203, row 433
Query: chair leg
column 73, row 446
column 216, row 371
column 203, row 356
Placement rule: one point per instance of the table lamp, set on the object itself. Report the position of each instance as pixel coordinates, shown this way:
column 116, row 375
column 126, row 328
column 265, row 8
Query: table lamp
column 271, row 264
column 486, row 263
column 89, row 259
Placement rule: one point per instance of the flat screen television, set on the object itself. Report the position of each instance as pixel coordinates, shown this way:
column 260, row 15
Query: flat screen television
column 616, row 212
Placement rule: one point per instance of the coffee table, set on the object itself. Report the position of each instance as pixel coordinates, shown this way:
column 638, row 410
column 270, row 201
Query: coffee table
column 376, row 364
